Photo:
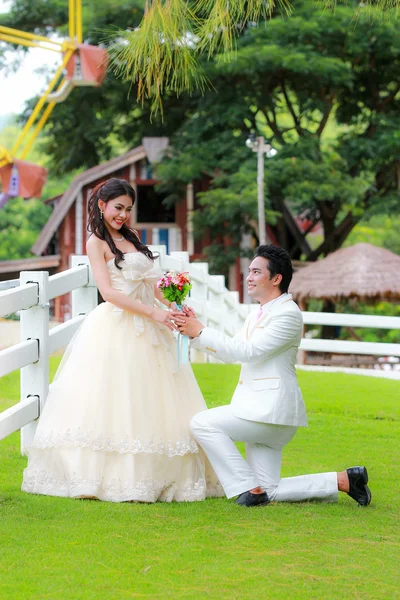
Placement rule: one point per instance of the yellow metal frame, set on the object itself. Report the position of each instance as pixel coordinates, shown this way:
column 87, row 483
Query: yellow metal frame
column 35, row 123
column 5, row 155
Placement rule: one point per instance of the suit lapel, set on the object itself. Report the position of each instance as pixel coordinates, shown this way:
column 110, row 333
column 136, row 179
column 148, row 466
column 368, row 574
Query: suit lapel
column 246, row 327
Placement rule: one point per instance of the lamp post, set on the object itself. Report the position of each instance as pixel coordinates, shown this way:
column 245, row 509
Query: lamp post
column 258, row 144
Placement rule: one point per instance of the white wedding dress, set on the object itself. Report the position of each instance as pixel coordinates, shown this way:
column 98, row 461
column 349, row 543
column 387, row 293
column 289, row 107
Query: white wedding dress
column 115, row 425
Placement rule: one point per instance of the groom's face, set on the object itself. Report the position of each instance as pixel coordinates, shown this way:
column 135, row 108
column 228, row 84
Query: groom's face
column 260, row 284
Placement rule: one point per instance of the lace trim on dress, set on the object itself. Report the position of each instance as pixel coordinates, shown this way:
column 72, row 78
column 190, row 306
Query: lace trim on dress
column 80, row 439
column 115, row 490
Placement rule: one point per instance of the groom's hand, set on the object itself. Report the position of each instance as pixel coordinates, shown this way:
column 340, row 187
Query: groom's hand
column 191, row 327
column 187, row 325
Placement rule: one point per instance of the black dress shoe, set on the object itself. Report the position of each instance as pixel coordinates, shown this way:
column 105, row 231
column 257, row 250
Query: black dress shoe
column 359, row 491
column 249, row 499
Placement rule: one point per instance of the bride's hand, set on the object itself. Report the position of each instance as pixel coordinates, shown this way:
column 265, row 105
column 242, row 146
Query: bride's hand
column 179, row 317
column 164, row 317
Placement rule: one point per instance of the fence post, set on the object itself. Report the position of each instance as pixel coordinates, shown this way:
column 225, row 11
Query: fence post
column 84, row 299
column 161, row 251
column 302, row 354
column 200, row 289
column 35, row 325
column 216, row 299
column 174, row 239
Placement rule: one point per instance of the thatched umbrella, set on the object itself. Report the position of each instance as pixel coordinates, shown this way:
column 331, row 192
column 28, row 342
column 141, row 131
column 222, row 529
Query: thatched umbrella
column 361, row 272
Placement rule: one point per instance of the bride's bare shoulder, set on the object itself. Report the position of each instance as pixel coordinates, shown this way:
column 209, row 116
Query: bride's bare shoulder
column 95, row 246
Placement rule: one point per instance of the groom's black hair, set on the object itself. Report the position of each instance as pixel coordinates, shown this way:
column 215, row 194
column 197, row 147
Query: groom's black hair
column 279, row 263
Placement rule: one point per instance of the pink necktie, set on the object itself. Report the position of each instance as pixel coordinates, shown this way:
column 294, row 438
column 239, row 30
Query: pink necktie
column 260, row 312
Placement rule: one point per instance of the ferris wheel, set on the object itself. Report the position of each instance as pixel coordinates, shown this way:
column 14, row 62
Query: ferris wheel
column 81, row 65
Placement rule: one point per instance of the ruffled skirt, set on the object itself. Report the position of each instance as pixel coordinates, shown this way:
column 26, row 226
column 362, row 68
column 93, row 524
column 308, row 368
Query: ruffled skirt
column 115, row 425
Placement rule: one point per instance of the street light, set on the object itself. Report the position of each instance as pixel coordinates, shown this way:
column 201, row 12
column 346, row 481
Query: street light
column 258, row 144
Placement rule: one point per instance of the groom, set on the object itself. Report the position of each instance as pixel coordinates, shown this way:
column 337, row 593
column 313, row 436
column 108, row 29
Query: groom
column 267, row 406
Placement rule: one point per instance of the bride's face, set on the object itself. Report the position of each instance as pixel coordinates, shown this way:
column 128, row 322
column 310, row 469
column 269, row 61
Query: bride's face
column 116, row 212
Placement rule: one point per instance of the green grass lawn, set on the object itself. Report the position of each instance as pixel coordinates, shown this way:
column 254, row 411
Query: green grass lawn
column 60, row 549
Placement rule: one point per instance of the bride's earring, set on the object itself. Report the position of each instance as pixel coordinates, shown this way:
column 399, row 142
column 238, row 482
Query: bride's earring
column 101, row 214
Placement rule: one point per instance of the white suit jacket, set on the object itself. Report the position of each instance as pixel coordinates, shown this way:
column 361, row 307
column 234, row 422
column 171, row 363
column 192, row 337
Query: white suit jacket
column 268, row 391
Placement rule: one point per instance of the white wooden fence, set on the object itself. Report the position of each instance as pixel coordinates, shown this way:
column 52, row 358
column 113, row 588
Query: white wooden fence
column 214, row 304
column 31, row 355
column 350, row 347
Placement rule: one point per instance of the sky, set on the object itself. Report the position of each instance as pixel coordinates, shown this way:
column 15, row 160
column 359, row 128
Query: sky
column 16, row 88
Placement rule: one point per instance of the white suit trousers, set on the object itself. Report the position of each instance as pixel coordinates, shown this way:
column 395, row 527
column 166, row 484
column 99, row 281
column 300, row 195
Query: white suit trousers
column 217, row 429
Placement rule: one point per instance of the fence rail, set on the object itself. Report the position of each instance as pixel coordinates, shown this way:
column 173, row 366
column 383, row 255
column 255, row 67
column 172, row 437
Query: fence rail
column 18, row 356
column 61, row 335
column 215, row 305
column 349, row 320
column 10, row 283
column 350, row 347
column 16, row 299
column 346, row 346
column 61, row 283
column 18, row 416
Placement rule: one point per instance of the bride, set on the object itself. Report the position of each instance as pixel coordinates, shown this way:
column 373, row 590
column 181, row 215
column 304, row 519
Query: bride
column 115, row 425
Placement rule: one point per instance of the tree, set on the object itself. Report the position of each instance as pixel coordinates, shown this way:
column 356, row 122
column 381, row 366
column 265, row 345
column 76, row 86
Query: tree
column 380, row 230
column 327, row 95
column 323, row 90
column 163, row 52
column 21, row 223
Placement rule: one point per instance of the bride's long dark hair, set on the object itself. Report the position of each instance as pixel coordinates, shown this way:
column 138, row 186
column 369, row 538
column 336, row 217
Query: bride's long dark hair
column 109, row 190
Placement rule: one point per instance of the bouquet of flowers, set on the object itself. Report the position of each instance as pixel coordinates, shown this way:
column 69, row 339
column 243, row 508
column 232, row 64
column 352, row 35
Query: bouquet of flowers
column 175, row 287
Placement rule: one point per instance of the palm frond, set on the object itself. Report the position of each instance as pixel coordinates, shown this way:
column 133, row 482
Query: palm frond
column 377, row 9
column 160, row 53
column 224, row 19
